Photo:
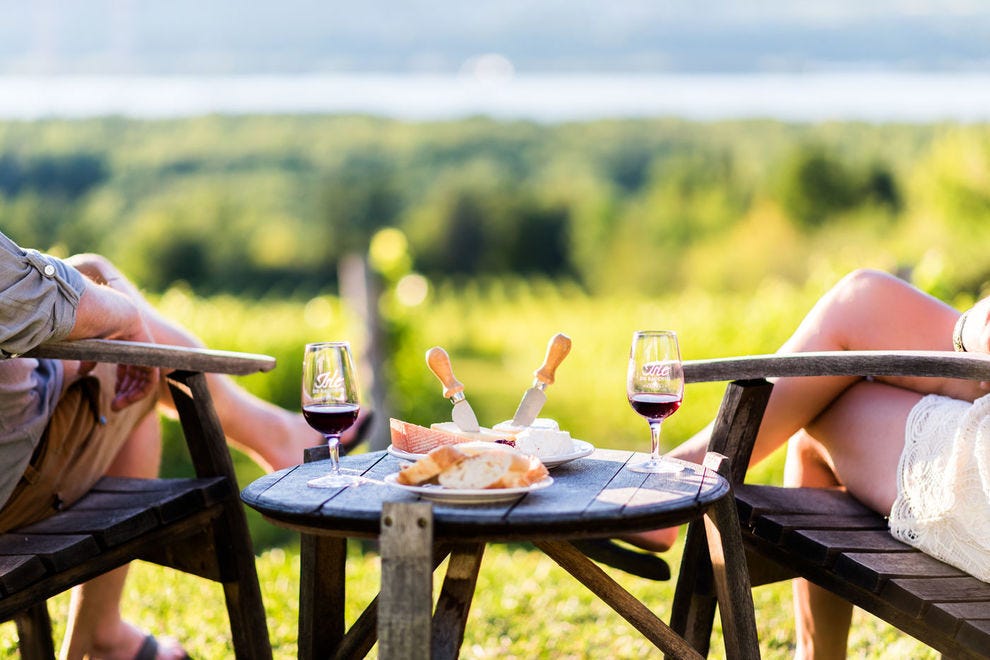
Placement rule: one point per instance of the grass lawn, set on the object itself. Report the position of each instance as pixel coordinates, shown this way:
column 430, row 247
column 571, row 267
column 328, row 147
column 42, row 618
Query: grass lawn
column 525, row 607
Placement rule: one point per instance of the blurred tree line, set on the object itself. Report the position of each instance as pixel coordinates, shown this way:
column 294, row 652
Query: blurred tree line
column 268, row 205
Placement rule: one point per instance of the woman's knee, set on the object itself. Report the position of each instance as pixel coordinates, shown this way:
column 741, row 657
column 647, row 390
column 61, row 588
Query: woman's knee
column 95, row 266
column 808, row 463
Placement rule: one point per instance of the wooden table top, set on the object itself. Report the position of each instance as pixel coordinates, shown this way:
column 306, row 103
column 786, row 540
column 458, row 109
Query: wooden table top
column 590, row 497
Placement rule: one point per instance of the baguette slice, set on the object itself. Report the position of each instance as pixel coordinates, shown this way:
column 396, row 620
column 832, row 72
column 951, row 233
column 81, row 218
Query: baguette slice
column 429, row 467
column 493, row 469
column 420, row 440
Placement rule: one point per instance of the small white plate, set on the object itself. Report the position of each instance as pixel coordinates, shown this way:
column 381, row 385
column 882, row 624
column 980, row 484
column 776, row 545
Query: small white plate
column 438, row 493
column 581, row 449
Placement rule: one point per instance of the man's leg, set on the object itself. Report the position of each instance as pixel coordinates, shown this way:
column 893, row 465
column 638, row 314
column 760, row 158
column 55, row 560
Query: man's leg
column 95, row 628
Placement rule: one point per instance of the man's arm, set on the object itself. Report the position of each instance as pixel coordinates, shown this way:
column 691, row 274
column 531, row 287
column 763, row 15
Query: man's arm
column 105, row 313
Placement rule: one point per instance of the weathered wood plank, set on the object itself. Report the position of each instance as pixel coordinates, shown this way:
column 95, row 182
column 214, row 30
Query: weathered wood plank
column 156, row 355
column 773, row 527
column 406, row 601
column 871, row 569
column 949, row 616
column 323, row 561
column 108, row 527
column 632, row 610
column 732, row 586
column 757, row 500
column 19, row 571
column 912, row 595
column 944, row 364
column 454, row 603
column 822, row 546
column 57, row 552
column 974, row 635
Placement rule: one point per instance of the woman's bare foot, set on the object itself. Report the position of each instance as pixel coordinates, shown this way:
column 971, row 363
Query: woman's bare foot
column 656, row 540
column 294, row 437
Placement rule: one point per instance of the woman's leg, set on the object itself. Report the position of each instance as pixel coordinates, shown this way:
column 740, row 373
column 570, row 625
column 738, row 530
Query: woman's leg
column 821, row 619
column 856, row 443
column 866, row 310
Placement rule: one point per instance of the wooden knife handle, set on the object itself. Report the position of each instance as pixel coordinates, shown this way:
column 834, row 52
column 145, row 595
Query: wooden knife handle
column 557, row 350
column 439, row 363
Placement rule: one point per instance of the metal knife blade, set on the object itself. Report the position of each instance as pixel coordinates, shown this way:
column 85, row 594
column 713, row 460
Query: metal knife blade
column 534, row 398
column 462, row 415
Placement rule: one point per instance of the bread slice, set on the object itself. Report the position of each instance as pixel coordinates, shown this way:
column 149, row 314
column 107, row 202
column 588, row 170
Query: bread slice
column 493, row 469
column 429, row 467
column 420, row 440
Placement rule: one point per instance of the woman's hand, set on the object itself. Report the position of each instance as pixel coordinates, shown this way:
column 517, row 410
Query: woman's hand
column 976, row 331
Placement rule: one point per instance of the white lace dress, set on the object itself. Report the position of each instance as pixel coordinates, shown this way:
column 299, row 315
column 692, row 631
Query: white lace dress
column 943, row 483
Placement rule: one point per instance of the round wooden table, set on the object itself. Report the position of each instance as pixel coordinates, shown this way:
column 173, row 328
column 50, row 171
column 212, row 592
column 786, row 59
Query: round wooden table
column 590, row 497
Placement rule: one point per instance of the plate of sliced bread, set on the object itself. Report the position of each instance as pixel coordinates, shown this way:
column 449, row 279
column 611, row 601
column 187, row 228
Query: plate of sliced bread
column 475, row 472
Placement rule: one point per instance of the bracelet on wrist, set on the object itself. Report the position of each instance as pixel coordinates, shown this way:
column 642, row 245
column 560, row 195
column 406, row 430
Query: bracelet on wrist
column 957, row 334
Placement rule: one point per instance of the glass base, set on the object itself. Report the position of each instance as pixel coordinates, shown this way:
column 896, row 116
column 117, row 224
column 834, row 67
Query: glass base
column 658, row 466
column 336, row 481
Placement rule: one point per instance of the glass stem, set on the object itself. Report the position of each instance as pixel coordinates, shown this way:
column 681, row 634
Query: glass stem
column 655, row 441
column 333, row 444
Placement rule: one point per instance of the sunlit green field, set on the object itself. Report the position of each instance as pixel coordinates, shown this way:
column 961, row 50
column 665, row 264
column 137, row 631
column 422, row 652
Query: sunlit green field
column 526, row 606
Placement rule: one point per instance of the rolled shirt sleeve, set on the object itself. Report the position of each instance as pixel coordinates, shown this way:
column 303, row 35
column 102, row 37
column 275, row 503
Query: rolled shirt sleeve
column 39, row 298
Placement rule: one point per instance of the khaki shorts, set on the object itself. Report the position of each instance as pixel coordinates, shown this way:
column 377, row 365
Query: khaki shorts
column 82, row 439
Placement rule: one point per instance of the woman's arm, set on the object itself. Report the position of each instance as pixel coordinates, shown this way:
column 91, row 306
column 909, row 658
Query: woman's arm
column 975, row 330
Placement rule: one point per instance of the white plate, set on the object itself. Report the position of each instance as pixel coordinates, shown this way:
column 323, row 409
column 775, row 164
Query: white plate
column 581, row 449
column 468, row 496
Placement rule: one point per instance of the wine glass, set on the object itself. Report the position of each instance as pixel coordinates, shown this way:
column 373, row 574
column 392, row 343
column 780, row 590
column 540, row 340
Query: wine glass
column 330, row 402
column 655, row 388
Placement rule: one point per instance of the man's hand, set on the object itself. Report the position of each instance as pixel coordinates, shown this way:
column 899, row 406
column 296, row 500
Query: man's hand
column 106, row 313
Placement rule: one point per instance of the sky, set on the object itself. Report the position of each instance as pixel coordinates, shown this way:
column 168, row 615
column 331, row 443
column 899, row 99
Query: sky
column 534, row 36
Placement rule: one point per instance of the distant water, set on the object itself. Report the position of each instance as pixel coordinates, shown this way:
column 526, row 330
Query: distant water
column 872, row 97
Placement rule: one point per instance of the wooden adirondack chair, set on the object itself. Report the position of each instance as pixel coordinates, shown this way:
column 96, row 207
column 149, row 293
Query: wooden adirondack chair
column 194, row 525
column 825, row 535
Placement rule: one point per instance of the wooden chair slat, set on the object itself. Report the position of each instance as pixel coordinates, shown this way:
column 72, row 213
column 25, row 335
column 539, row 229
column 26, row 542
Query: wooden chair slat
column 974, row 635
column 19, row 571
column 774, row 527
column 871, row 569
column 57, row 552
column 108, row 527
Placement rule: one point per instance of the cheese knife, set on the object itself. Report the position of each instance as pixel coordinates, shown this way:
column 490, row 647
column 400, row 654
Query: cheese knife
column 534, row 398
column 462, row 414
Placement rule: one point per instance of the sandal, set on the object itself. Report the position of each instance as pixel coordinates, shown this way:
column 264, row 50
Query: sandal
column 149, row 649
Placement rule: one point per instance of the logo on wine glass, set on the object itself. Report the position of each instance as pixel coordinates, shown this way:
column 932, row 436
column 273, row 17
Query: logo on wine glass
column 329, row 384
column 658, row 370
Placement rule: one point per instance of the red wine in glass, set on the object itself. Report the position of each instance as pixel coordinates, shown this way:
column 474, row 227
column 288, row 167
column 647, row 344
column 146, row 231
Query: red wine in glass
column 330, row 403
column 655, row 406
column 655, row 388
column 331, row 418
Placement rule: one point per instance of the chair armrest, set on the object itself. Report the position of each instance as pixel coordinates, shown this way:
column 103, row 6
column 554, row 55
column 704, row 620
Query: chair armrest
column 156, row 355
column 940, row 364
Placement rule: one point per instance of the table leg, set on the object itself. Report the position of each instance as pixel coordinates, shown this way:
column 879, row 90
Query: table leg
column 450, row 617
column 322, row 560
column 363, row 633
column 628, row 606
column 405, row 602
